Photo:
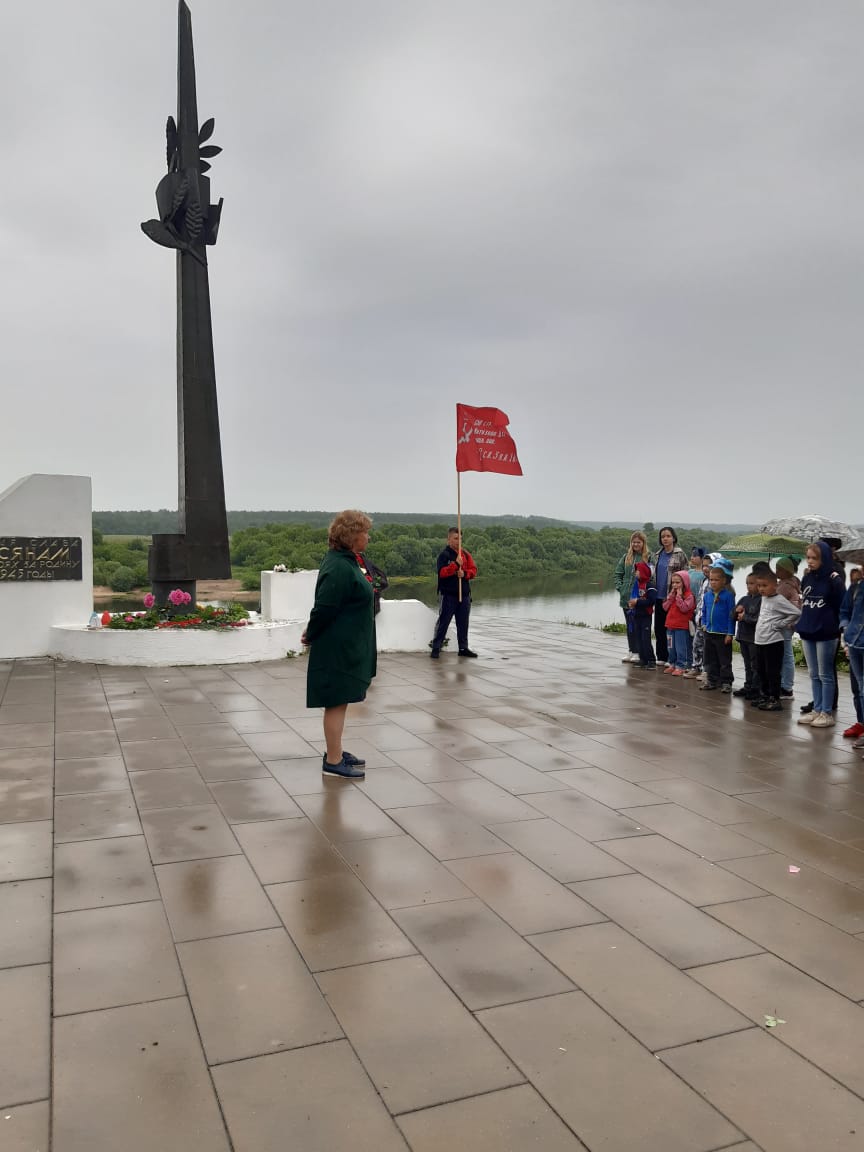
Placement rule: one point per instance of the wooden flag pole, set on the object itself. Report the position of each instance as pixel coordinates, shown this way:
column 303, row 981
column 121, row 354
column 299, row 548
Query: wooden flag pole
column 459, row 525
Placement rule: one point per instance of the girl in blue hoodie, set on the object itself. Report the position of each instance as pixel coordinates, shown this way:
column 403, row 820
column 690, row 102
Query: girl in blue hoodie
column 822, row 592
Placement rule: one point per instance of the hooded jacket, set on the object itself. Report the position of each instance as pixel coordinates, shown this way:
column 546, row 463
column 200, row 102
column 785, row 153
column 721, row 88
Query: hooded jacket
column 680, row 610
column 625, row 574
column 643, row 590
column 776, row 615
column 718, row 611
column 852, row 616
column 822, row 594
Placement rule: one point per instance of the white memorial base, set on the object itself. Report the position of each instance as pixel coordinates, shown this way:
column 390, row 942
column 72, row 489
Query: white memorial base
column 166, row 647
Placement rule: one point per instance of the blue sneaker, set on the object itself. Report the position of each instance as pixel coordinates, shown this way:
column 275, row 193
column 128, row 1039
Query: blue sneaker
column 343, row 768
column 353, row 760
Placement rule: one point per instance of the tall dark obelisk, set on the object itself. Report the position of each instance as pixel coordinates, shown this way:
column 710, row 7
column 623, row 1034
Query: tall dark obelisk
column 188, row 222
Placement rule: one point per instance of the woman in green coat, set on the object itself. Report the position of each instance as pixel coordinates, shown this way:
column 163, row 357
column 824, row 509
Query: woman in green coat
column 341, row 638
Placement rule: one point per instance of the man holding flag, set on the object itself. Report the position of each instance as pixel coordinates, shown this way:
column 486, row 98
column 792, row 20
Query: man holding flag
column 483, row 444
column 455, row 568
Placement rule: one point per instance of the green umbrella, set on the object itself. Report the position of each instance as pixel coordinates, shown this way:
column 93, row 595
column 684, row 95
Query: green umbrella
column 764, row 544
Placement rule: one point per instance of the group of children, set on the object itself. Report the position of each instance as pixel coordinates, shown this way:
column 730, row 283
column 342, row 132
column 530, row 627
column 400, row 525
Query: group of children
column 702, row 617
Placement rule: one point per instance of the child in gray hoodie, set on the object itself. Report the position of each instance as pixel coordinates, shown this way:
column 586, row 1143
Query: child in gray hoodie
column 776, row 615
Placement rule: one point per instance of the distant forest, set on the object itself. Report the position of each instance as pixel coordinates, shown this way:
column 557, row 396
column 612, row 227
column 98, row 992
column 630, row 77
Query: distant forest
column 510, row 546
column 145, row 523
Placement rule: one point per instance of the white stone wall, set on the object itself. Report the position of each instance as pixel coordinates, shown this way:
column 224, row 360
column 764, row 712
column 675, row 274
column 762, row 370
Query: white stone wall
column 166, row 647
column 41, row 505
column 402, row 625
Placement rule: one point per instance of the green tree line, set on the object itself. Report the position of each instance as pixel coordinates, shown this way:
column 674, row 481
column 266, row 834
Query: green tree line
column 411, row 549
column 401, row 549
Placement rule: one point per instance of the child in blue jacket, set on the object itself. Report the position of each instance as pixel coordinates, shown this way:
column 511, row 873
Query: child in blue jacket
column 718, row 621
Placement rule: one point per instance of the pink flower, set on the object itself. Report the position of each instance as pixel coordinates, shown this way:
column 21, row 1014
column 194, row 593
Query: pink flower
column 149, row 600
column 128, row 619
column 178, row 597
column 187, row 597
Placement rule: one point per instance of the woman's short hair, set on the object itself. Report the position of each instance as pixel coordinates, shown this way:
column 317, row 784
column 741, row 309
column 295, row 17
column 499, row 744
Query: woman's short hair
column 345, row 528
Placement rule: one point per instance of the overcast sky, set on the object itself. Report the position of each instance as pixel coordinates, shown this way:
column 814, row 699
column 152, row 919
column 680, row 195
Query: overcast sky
column 634, row 225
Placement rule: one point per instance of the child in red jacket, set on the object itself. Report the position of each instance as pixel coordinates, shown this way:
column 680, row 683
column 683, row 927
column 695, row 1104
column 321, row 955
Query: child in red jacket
column 680, row 607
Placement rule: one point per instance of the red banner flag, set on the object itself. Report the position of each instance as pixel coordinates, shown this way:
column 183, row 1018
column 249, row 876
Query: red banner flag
column 483, row 443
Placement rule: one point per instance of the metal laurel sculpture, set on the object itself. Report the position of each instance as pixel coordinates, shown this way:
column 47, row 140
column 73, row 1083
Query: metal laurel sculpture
column 188, row 222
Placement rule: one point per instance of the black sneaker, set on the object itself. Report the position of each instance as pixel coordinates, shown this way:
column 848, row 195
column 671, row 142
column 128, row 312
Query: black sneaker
column 772, row 705
column 786, row 693
column 758, row 701
column 726, row 689
column 343, row 768
column 807, row 708
column 467, row 652
column 434, row 654
column 706, row 687
column 745, row 692
column 353, row 760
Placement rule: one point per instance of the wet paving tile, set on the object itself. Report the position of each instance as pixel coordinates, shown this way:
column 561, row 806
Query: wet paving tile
column 111, row 1071
column 257, row 720
column 229, row 764
column 144, row 755
column 772, row 1094
column 401, row 874
column 27, row 1127
column 26, row 764
column 395, row 788
column 513, row 1120
column 810, row 944
column 841, row 861
column 417, row 1042
column 196, row 736
column 819, row 1024
column 80, row 745
column 168, row 788
column 605, row 788
column 22, row 800
column 609, row 1089
column 25, row 913
column 105, row 957
column 704, row 837
column 253, row 995
column 588, row 818
column 189, row 833
column 303, row 776
column 137, row 728
column 558, row 851
column 656, row 1002
column 335, row 922
column 92, row 774
column 99, row 873
column 25, row 850
column 681, row 933
column 243, row 801
column 515, row 777
column 705, row 801
column 485, row 802
column 285, row 850
column 807, row 813
column 695, row 880
column 94, row 815
column 345, row 814
column 13, row 736
column 431, row 765
column 277, row 745
column 25, row 1025
column 839, row 904
column 482, row 959
column 522, row 894
column 446, row 832
column 293, row 1092
column 205, row 898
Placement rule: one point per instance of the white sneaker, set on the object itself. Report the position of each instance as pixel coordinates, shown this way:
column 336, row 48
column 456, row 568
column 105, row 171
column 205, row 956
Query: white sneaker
column 824, row 720
column 629, row 658
column 808, row 718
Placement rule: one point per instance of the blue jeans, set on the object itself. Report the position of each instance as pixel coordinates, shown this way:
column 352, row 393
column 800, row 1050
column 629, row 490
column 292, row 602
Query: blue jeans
column 788, row 675
column 856, row 664
column 680, row 648
column 820, row 656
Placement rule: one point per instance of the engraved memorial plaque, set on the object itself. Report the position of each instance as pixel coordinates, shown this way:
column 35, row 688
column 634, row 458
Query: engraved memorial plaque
column 40, row 558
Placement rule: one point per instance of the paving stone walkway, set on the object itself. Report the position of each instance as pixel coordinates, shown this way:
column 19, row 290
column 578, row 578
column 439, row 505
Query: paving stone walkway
column 559, row 914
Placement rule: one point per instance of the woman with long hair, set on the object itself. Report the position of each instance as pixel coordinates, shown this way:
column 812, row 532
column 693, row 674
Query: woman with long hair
column 667, row 560
column 625, row 575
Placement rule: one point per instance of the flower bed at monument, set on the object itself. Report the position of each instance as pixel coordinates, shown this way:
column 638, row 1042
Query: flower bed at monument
column 203, row 616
